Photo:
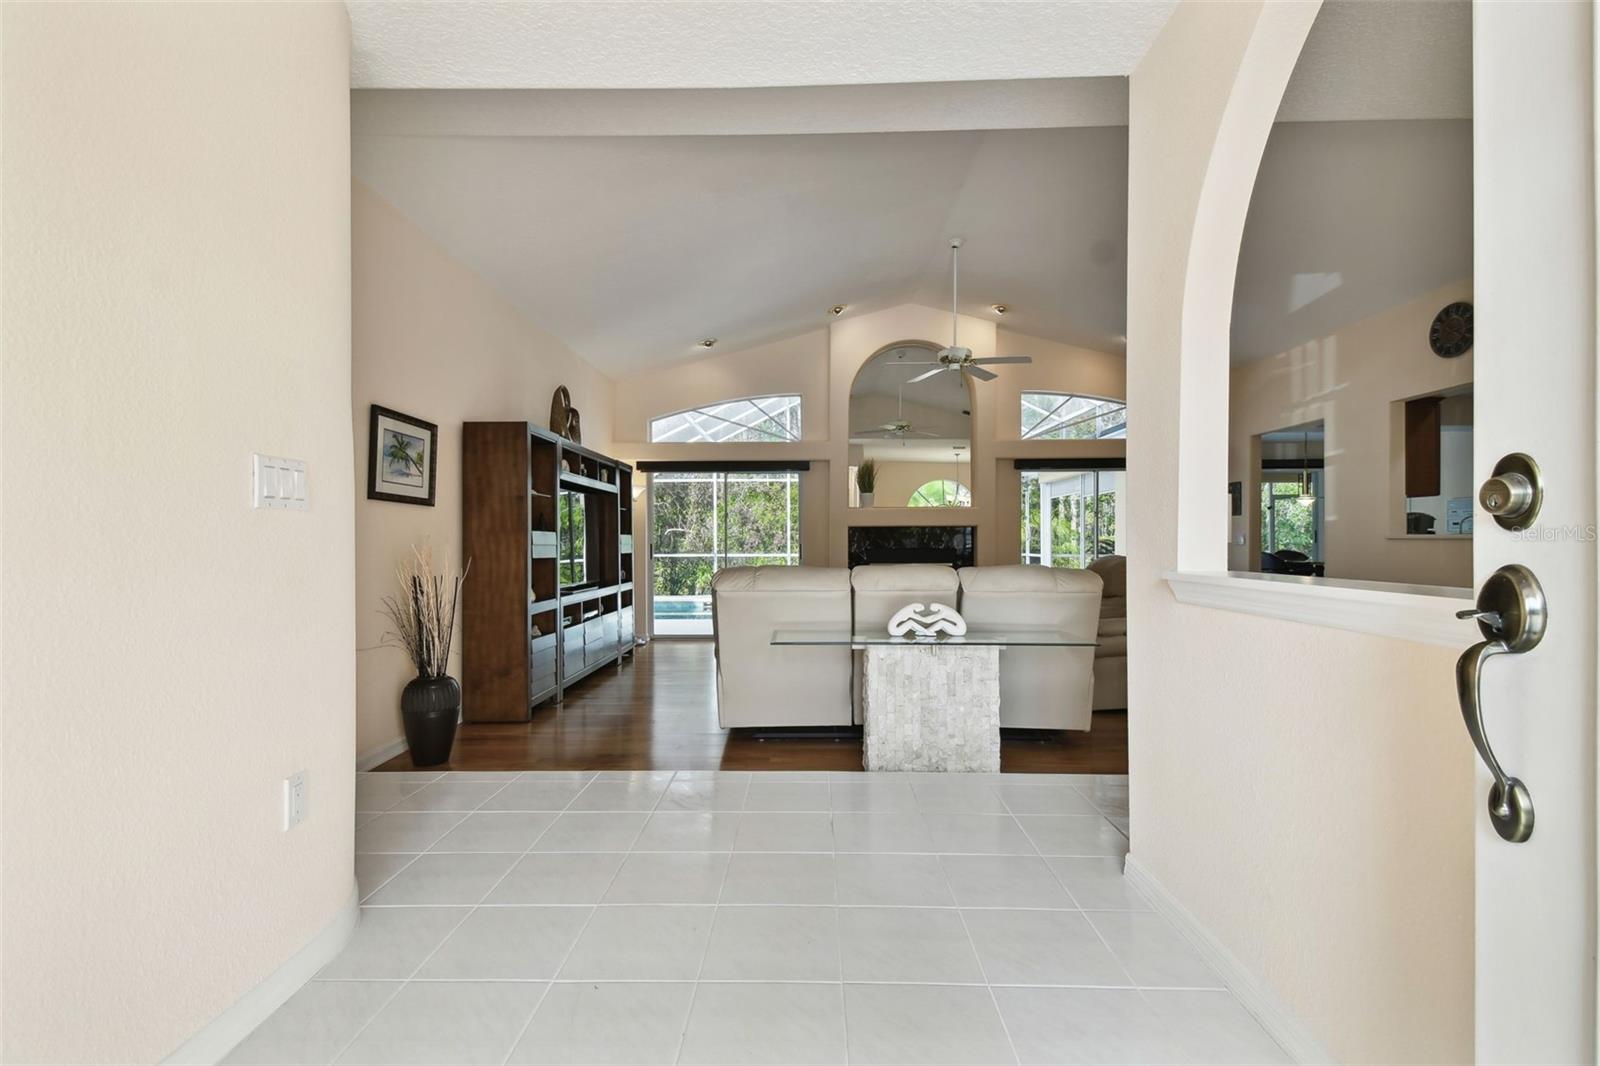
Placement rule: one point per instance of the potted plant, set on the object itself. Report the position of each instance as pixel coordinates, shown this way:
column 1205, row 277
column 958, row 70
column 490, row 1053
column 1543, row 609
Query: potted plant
column 423, row 617
column 866, row 480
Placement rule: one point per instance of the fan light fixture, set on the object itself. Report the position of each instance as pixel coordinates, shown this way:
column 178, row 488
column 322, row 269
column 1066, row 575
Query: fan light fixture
column 956, row 357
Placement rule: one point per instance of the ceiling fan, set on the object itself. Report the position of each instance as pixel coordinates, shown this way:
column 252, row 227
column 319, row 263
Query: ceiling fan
column 899, row 429
column 955, row 358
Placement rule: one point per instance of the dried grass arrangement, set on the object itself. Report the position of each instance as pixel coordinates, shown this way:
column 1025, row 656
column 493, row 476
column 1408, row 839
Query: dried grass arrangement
column 423, row 614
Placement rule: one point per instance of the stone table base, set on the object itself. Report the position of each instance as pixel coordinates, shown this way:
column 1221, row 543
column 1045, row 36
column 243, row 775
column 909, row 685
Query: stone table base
column 932, row 708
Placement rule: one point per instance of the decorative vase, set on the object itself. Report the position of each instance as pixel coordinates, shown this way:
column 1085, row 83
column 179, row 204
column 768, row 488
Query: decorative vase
column 866, row 499
column 429, row 707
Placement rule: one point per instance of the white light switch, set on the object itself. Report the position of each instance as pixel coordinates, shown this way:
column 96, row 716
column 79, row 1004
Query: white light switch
column 281, row 483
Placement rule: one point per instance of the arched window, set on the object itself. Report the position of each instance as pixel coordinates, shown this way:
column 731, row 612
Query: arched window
column 769, row 419
column 1065, row 416
column 944, row 493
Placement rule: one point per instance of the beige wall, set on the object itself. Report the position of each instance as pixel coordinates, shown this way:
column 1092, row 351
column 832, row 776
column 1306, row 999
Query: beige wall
column 433, row 340
column 175, row 281
column 1305, row 793
column 820, row 366
column 797, row 365
column 1349, row 380
column 897, row 481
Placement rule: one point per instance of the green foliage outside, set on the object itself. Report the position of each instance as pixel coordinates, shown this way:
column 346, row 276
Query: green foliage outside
column 944, row 493
column 1285, row 521
column 721, row 520
column 1073, row 520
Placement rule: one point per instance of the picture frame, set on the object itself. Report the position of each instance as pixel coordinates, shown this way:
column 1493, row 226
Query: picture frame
column 402, row 457
column 1236, row 498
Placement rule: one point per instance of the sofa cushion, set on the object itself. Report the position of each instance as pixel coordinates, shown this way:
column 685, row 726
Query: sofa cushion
column 1113, row 627
column 1113, row 570
column 782, row 578
column 905, row 577
column 1028, row 579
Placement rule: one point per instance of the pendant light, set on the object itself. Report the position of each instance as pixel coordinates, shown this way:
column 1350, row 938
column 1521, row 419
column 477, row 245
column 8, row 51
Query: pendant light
column 1307, row 497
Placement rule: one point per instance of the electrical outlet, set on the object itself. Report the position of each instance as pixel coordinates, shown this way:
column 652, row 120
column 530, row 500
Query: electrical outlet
column 296, row 800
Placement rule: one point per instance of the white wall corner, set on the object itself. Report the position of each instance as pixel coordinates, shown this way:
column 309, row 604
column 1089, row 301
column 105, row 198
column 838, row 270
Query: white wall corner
column 1253, row 993
column 225, row 1032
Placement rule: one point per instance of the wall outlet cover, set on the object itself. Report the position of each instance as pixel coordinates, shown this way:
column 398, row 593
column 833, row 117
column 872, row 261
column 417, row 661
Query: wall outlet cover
column 296, row 800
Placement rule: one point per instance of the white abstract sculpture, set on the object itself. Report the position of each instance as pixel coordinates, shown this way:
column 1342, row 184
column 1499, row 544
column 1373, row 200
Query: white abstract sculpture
column 936, row 618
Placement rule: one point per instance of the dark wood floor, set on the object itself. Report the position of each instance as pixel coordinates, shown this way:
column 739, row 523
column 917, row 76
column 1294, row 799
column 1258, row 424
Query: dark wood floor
column 659, row 712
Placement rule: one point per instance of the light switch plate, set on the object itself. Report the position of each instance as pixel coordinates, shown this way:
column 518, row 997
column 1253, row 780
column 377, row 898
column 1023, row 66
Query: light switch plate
column 281, row 483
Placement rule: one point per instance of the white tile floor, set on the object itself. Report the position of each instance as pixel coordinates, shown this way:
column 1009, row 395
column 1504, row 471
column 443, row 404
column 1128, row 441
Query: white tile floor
column 706, row 917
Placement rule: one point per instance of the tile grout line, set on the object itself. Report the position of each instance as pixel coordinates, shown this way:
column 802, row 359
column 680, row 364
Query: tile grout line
column 705, row 952
column 994, row 1000
column 589, row 918
column 400, row 986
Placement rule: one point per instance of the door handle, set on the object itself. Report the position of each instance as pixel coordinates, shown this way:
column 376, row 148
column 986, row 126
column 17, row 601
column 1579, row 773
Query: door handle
column 1511, row 615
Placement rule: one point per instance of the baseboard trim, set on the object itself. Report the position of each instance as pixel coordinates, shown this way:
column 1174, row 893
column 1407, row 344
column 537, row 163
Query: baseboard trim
column 374, row 757
column 1254, row 994
column 224, row 1032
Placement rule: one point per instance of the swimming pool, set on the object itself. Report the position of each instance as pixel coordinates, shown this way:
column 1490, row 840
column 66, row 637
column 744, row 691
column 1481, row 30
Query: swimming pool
column 683, row 608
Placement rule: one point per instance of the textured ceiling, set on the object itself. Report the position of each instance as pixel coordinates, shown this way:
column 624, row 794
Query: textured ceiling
column 1394, row 59
column 619, row 44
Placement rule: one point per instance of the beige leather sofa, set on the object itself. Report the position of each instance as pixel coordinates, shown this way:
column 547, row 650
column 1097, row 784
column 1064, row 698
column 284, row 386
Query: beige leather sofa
column 1111, row 657
column 882, row 589
column 1040, row 688
column 762, row 685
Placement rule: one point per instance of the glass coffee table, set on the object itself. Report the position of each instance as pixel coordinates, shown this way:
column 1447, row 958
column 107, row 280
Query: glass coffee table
column 931, row 703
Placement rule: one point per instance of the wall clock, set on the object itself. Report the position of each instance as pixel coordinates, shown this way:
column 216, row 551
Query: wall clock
column 1451, row 332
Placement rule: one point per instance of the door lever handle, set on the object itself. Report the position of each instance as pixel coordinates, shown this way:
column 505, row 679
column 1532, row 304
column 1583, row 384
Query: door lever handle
column 1511, row 616
column 1510, row 805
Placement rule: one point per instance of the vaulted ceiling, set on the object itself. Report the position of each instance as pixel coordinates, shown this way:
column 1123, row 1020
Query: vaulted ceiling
column 744, row 214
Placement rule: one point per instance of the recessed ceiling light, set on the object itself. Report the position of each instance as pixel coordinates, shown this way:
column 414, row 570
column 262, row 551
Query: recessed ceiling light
column 836, row 309
column 999, row 309
column 708, row 342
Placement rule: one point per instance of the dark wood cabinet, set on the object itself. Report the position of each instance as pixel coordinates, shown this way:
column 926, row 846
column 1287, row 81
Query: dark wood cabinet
column 550, row 596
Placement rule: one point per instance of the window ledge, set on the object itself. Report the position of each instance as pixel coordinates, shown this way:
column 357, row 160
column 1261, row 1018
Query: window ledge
column 1421, row 613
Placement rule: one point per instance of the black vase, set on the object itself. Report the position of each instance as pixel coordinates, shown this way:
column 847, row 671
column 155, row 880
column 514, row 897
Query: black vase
column 429, row 707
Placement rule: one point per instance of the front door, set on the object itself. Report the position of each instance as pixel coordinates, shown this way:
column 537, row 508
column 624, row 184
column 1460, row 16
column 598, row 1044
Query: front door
column 1534, row 274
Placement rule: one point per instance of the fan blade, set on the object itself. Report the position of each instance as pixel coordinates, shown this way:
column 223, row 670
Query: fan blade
column 926, row 374
column 1001, row 359
column 979, row 372
column 921, row 433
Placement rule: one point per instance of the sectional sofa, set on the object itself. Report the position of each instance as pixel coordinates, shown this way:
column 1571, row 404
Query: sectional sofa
column 759, row 685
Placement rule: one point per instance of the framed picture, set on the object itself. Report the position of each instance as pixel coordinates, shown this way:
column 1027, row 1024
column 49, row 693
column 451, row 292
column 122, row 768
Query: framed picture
column 1236, row 497
column 402, row 457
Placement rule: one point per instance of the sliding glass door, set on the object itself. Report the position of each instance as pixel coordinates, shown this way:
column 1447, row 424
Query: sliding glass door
column 1073, row 517
column 703, row 521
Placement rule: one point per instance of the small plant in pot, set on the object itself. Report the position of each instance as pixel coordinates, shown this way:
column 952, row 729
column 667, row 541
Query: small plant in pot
column 423, row 617
column 867, row 480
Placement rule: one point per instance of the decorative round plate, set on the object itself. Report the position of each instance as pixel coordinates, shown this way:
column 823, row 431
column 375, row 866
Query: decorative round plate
column 1451, row 332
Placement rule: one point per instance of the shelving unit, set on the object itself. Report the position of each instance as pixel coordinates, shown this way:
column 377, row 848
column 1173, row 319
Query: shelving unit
column 526, row 637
